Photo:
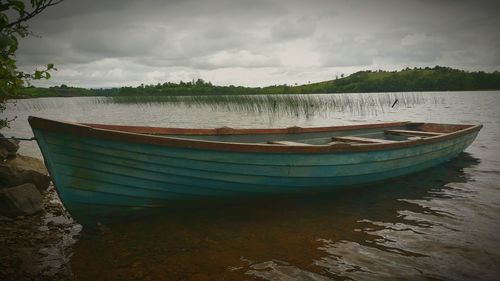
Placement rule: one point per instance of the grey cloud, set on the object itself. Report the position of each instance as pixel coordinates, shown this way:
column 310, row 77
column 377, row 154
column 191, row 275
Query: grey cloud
column 124, row 42
column 344, row 51
column 240, row 58
column 292, row 29
column 165, row 30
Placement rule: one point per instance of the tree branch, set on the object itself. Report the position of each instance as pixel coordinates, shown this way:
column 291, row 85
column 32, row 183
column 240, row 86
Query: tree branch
column 38, row 9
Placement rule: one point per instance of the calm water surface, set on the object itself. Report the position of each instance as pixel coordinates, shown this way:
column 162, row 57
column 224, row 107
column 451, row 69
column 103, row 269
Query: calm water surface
column 440, row 224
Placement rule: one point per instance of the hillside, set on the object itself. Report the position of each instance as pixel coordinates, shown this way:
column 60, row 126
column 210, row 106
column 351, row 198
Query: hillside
column 407, row 80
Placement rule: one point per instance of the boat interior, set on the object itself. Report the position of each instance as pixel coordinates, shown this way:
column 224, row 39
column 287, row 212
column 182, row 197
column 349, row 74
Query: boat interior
column 296, row 136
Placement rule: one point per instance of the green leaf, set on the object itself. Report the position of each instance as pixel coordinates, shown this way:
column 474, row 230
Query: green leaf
column 4, row 7
column 19, row 6
column 4, row 20
column 11, row 29
column 12, row 44
column 4, row 42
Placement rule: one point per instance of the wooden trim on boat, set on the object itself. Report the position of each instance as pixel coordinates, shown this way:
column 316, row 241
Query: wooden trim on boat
column 287, row 143
column 234, row 131
column 412, row 133
column 104, row 132
column 361, row 140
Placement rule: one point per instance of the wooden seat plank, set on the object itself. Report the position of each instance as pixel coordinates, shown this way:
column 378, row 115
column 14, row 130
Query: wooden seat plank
column 361, row 140
column 413, row 133
column 288, row 143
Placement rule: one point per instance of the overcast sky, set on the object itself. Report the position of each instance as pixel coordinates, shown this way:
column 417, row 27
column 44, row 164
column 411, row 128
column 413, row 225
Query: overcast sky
column 103, row 43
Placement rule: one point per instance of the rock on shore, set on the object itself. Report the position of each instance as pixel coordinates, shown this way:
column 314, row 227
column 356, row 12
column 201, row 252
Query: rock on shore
column 22, row 179
column 36, row 247
column 24, row 169
column 34, row 227
column 20, row 200
column 8, row 148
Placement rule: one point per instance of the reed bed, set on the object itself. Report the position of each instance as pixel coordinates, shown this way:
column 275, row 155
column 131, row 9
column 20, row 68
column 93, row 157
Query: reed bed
column 291, row 105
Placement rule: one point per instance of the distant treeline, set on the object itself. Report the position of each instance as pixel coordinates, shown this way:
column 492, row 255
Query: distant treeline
column 408, row 80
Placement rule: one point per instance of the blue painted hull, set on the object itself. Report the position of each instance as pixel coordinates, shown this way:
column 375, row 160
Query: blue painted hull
column 99, row 172
column 91, row 172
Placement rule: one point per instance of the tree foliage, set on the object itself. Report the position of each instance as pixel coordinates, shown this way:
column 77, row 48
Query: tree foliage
column 14, row 15
column 438, row 78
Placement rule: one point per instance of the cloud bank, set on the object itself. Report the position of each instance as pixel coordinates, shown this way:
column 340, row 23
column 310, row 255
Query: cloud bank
column 256, row 43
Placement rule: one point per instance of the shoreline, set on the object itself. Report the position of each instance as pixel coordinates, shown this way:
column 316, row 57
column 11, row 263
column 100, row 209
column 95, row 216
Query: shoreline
column 37, row 247
column 232, row 95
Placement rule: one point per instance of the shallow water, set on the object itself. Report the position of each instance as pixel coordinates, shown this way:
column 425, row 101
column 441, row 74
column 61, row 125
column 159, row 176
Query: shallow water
column 440, row 224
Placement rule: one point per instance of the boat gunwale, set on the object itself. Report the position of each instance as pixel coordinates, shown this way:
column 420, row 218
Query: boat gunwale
column 111, row 132
column 239, row 131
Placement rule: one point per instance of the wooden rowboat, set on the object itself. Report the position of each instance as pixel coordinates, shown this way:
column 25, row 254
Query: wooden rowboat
column 147, row 167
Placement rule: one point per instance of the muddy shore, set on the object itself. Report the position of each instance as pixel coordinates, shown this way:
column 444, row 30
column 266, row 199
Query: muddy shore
column 37, row 247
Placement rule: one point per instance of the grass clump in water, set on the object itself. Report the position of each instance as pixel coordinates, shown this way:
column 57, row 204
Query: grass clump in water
column 276, row 105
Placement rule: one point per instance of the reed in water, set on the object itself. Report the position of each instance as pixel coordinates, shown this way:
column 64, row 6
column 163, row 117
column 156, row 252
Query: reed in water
column 275, row 105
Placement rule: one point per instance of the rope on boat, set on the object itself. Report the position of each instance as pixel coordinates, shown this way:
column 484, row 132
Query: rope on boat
column 18, row 139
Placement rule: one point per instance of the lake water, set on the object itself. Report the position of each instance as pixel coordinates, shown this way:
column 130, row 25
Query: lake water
column 440, row 224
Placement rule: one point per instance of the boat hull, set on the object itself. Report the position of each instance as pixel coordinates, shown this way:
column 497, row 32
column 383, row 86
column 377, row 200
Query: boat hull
column 90, row 171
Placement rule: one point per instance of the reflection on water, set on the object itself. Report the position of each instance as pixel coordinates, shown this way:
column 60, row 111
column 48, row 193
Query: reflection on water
column 423, row 236
column 408, row 227
column 440, row 224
